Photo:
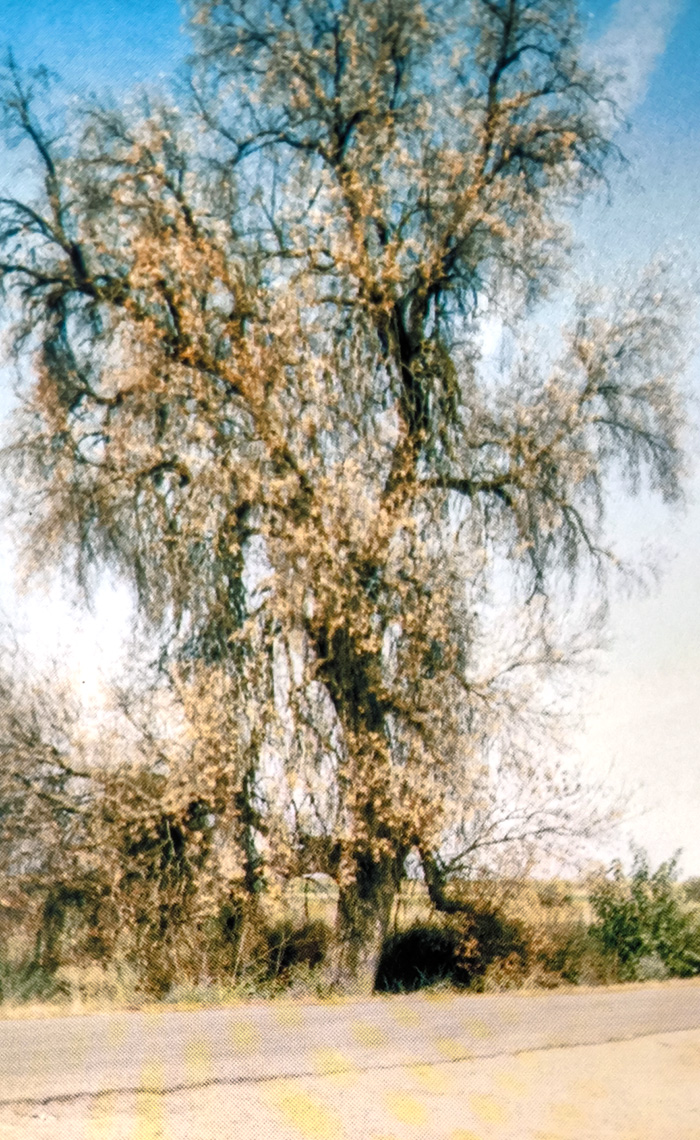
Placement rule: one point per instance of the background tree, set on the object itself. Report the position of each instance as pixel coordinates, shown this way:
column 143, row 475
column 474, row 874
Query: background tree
column 255, row 388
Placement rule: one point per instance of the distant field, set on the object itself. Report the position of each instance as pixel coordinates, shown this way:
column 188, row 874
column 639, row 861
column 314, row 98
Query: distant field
column 543, row 900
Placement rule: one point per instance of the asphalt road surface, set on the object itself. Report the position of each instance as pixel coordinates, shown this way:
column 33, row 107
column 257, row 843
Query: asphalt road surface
column 51, row 1069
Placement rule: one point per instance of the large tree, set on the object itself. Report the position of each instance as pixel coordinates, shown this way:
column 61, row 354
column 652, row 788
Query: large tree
column 253, row 327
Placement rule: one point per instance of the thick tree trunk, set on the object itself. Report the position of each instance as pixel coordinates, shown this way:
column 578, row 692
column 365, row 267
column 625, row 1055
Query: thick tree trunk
column 364, row 914
column 370, row 870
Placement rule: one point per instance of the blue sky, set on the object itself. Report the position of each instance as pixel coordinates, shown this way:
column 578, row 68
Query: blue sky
column 673, row 93
column 93, row 42
column 642, row 713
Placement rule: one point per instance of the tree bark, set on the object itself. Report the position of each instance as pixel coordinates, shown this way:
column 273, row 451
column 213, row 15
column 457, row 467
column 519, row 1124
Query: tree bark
column 436, row 883
column 365, row 904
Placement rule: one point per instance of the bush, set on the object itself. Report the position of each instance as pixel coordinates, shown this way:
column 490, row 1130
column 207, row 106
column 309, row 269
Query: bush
column 564, row 952
column 28, row 981
column 553, row 894
column 290, row 947
column 691, row 889
column 651, row 968
column 459, row 950
column 420, row 956
column 640, row 920
column 489, row 939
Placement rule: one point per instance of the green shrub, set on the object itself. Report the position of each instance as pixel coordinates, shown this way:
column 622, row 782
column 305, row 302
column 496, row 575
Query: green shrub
column 640, row 919
column 691, row 889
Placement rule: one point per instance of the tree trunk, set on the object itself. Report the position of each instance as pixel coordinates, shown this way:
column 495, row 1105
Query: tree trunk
column 436, row 883
column 364, row 914
column 371, row 867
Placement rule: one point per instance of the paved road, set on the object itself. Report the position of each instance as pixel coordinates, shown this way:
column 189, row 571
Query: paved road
column 64, row 1059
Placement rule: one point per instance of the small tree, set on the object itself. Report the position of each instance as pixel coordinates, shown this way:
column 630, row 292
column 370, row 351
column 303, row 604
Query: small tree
column 106, row 841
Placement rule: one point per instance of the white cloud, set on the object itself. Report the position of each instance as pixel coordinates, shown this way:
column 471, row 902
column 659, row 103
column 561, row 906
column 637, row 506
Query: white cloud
column 632, row 44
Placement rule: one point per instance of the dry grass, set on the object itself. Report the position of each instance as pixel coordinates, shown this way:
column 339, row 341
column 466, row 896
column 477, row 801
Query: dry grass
column 554, row 915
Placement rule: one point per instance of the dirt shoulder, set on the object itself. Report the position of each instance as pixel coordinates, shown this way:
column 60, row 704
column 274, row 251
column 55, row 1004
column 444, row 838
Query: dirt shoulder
column 45, row 1010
